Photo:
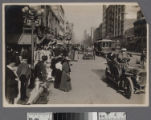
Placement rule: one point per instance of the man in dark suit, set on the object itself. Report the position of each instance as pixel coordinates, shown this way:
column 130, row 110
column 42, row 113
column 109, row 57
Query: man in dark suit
column 24, row 73
column 40, row 69
column 11, row 84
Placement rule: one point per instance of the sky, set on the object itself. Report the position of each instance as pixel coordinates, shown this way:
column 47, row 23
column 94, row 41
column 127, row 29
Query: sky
column 86, row 16
column 83, row 17
column 131, row 11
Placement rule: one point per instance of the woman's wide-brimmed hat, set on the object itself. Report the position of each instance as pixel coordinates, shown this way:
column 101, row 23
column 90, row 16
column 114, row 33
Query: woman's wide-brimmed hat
column 123, row 49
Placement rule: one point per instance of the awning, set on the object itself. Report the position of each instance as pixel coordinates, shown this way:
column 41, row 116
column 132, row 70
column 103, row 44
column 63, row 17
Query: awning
column 25, row 39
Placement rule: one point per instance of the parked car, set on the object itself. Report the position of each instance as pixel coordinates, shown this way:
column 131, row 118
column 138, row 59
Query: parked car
column 88, row 54
column 131, row 81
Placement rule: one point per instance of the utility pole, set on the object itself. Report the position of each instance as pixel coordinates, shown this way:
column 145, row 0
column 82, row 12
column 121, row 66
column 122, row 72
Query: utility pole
column 92, row 39
column 92, row 35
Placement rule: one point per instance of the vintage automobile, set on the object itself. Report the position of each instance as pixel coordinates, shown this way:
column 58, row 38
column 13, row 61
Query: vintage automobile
column 132, row 81
column 88, row 54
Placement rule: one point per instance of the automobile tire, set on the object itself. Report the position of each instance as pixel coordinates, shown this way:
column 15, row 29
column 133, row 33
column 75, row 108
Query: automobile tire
column 106, row 75
column 128, row 88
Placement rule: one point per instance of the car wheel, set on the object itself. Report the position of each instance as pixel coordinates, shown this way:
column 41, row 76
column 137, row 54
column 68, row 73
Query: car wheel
column 128, row 88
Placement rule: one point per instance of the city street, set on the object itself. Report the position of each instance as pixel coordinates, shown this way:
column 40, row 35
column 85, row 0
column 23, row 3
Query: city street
column 44, row 38
column 89, row 86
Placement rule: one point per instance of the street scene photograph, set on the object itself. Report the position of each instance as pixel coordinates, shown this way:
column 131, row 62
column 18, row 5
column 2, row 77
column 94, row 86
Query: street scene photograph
column 79, row 54
column 76, row 116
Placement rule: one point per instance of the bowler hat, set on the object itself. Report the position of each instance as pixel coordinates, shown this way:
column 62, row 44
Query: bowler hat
column 44, row 58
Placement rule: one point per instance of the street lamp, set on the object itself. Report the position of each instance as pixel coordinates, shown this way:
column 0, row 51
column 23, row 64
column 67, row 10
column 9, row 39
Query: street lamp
column 32, row 17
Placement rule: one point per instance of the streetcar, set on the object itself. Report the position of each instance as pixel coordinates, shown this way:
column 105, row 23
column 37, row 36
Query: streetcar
column 103, row 47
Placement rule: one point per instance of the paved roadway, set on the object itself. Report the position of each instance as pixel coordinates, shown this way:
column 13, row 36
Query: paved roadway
column 89, row 86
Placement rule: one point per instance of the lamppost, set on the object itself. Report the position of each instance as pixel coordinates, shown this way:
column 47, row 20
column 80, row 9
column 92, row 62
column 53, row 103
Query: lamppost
column 32, row 17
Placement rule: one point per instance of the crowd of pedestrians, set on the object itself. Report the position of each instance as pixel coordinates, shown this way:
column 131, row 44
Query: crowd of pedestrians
column 51, row 63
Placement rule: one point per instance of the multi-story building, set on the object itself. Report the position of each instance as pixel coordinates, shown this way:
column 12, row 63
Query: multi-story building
column 97, row 35
column 60, row 21
column 104, row 22
column 140, row 32
column 128, row 39
column 51, row 24
column 114, row 20
column 118, row 21
column 68, row 30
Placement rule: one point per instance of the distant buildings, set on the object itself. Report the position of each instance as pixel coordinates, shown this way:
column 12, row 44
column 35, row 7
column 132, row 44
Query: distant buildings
column 113, row 22
column 140, row 32
column 137, row 34
column 98, row 33
column 88, row 41
column 122, row 23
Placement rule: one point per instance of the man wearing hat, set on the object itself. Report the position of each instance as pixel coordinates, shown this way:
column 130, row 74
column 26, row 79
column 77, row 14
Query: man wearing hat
column 123, row 59
column 24, row 73
column 40, row 69
column 11, row 83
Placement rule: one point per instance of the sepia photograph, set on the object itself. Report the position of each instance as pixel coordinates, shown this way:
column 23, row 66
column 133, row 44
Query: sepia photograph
column 77, row 116
column 75, row 55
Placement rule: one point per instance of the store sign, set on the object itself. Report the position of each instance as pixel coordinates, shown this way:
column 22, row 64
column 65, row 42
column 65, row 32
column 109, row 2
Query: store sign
column 39, row 116
column 111, row 116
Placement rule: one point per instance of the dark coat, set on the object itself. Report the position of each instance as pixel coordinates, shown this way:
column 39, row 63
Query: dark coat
column 11, row 85
column 65, row 78
column 24, row 69
column 40, row 71
column 57, row 73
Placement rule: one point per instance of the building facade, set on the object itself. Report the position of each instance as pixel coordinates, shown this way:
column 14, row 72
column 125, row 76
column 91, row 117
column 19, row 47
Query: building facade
column 140, row 32
column 119, row 24
column 13, row 30
column 114, row 21
column 97, row 35
column 52, row 24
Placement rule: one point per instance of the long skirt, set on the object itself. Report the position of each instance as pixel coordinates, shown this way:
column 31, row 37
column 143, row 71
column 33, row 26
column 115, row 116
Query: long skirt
column 57, row 74
column 65, row 84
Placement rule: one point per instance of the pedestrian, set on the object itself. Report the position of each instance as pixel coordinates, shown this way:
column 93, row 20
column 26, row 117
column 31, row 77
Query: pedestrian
column 57, row 71
column 41, row 70
column 65, row 84
column 72, row 54
column 123, row 59
column 142, row 58
column 48, row 54
column 76, row 55
column 42, row 53
column 37, row 56
column 11, row 84
column 24, row 73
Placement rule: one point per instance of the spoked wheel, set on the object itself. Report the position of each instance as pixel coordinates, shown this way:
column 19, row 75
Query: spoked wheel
column 128, row 88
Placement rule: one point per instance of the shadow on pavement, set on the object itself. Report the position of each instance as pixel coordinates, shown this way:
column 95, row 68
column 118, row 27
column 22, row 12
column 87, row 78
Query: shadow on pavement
column 101, row 74
column 43, row 98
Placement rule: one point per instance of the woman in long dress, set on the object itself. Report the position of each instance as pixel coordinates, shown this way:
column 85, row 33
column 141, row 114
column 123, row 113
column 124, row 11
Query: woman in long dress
column 57, row 72
column 65, row 84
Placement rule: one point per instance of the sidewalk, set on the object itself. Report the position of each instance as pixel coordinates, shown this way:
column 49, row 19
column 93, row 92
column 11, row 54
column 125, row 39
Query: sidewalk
column 135, row 53
column 35, row 93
